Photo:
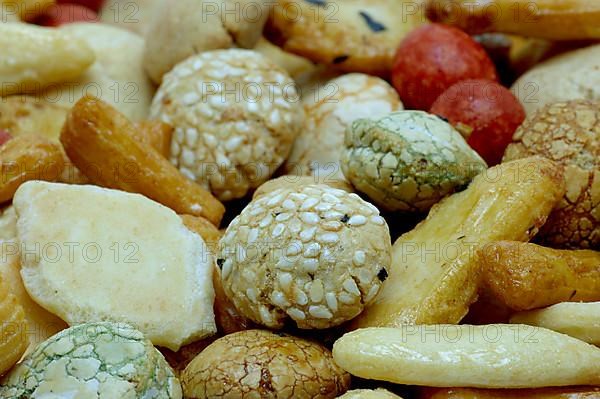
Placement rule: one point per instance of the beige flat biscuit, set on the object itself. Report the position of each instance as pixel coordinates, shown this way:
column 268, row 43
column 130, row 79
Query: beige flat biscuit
column 95, row 254
column 352, row 35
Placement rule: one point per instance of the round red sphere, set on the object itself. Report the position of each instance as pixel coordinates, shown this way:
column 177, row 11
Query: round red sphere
column 4, row 136
column 487, row 111
column 60, row 14
column 95, row 5
column 434, row 57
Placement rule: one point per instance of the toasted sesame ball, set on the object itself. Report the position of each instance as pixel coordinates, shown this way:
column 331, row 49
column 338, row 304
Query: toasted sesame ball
column 294, row 253
column 569, row 134
column 290, row 181
column 235, row 114
column 329, row 111
column 408, row 160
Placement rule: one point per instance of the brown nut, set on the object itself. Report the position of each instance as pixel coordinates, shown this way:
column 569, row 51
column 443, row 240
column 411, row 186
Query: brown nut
column 28, row 157
column 258, row 363
column 100, row 142
column 569, row 134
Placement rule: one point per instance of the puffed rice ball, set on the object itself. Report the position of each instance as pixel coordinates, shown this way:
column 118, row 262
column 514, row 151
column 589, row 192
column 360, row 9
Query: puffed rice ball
column 329, row 112
column 235, row 114
column 315, row 254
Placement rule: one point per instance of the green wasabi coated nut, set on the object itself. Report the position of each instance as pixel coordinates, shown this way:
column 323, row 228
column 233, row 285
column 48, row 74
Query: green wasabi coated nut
column 93, row 360
column 408, row 160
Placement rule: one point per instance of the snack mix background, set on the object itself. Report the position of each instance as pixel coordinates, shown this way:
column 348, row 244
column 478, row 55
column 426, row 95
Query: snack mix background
column 290, row 199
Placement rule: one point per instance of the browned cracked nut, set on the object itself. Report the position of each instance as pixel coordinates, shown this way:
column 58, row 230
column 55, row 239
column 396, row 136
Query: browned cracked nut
column 569, row 134
column 256, row 363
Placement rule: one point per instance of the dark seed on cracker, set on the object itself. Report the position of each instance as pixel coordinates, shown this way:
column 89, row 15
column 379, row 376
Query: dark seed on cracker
column 321, row 3
column 340, row 59
column 372, row 23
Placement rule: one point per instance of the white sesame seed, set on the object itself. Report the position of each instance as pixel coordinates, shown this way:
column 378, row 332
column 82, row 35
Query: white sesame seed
column 256, row 210
column 275, row 117
column 289, row 204
column 372, row 208
column 328, row 238
column 313, row 191
column 206, row 111
column 323, row 207
column 275, row 200
column 227, row 267
column 333, row 215
column 331, row 301
column 252, row 106
column 309, row 203
column 285, row 263
column 357, row 220
column 242, row 127
column 187, row 157
column 320, row 312
column 295, row 225
column 298, row 197
column 251, row 294
column 335, row 191
column 332, row 225
column 282, row 217
column 312, row 250
column 210, row 140
column 350, row 286
column 190, row 98
column 296, row 314
column 308, row 234
column 309, row 217
column 252, row 236
column 346, row 299
column 179, row 135
column 330, row 198
column 316, row 291
column 278, row 299
column 342, row 208
column 294, row 248
column 191, row 137
column 240, row 253
column 278, row 230
column 197, row 64
column 372, row 293
column 310, row 265
column 266, row 221
column 265, row 315
column 175, row 148
column 378, row 220
column 365, row 276
column 359, row 258
column 301, row 297
column 222, row 160
column 285, row 281
column 233, row 143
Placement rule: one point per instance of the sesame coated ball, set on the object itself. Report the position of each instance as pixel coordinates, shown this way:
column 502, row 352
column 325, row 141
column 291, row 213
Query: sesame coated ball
column 235, row 115
column 314, row 254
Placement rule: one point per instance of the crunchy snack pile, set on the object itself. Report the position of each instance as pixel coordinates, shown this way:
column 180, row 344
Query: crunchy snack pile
column 299, row 199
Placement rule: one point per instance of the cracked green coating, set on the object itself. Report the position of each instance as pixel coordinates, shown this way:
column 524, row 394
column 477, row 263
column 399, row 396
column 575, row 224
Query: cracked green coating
column 408, row 160
column 93, row 360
